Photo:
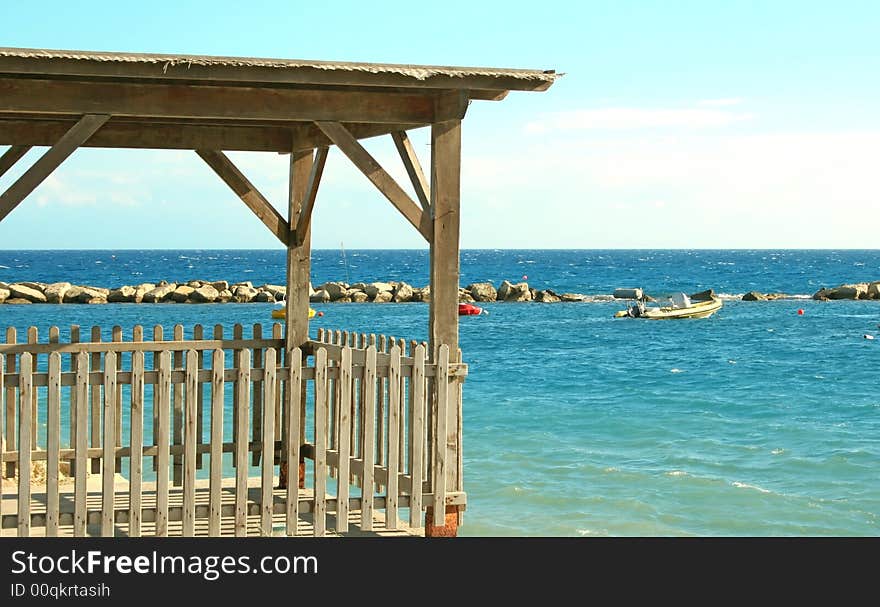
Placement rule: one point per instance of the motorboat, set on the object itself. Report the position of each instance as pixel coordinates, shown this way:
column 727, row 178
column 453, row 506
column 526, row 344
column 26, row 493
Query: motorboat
column 678, row 305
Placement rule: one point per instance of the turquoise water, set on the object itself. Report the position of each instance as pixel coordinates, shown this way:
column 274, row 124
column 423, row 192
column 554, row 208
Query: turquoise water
column 756, row 421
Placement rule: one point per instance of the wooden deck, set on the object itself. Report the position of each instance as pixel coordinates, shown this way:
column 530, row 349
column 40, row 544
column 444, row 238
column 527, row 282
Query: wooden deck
column 305, row 526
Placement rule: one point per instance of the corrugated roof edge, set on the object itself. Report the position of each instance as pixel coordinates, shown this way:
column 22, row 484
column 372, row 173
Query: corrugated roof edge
column 418, row 72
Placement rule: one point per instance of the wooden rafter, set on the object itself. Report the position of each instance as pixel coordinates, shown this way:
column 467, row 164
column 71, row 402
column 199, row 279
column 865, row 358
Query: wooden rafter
column 304, row 218
column 248, row 193
column 413, row 168
column 385, row 183
column 48, row 162
column 213, row 102
column 11, row 156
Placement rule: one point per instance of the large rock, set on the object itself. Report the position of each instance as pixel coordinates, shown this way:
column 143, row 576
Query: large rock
column 124, row 294
column 319, row 296
column 849, row 291
column 279, row 292
column 572, row 297
column 464, row 296
column 4, row 294
column 182, row 293
column 754, row 296
column 55, row 292
column 402, row 292
column 547, row 296
column 423, row 294
column 160, row 292
column 220, row 285
column 514, row 292
column 874, row 290
column 264, row 296
column 21, row 291
column 86, row 295
column 244, row 293
column 359, row 296
column 39, row 286
column 375, row 287
column 246, row 283
column 18, row 300
column 205, row 294
column 482, row 291
column 336, row 290
column 382, row 297
column 225, row 295
column 195, row 284
column 141, row 290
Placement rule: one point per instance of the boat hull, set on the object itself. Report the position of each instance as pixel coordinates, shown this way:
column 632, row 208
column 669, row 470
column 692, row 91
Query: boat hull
column 281, row 313
column 699, row 309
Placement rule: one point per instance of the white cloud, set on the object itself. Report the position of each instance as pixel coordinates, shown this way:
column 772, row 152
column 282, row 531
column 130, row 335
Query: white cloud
column 720, row 102
column 623, row 118
column 799, row 189
column 54, row 190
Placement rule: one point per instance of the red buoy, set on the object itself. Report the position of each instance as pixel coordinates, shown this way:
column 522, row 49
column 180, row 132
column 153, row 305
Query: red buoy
column 800, row 311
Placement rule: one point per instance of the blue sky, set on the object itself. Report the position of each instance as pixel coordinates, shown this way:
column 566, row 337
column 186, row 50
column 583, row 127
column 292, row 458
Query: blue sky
column 676, row 125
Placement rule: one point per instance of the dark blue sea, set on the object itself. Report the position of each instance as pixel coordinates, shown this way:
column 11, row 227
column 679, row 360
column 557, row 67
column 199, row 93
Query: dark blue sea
column 757, row 421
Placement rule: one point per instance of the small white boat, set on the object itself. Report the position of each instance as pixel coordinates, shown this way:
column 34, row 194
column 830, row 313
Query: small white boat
column 698, row 305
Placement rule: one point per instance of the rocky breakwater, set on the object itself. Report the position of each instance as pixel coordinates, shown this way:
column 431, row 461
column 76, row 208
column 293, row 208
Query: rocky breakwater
column 397, row 292
column 193, row 291
column 859, row 290
column 221, row 291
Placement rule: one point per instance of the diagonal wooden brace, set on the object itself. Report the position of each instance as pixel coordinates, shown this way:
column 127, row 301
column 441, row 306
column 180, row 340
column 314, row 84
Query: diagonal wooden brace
column 304, row 218
column 248, row 193
column 385, row 183
column 413, row 168
column 11, row 156
column 48, row 162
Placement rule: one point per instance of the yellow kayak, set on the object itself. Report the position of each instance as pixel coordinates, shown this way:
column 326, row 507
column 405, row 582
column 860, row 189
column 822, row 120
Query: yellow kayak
column 281, row 313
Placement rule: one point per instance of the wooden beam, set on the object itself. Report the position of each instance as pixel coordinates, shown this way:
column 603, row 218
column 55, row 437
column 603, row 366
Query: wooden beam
column 48, row 162
column 153, row 135
column 413, row 168
column 180, row 134
column 304, row 216
column 249, row 194
column 213, row 102
column 13, row 155
column 451, row 105
column 298, row 257
column 378, row 176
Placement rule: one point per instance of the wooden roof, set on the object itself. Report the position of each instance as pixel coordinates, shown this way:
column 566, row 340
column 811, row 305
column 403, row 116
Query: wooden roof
column 232, row 103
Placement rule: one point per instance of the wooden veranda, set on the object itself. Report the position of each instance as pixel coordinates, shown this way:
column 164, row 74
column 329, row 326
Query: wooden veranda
column 373, row 422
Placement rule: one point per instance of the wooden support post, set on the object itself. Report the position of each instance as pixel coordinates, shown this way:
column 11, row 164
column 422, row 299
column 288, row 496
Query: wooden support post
column 443, row 329
column 248, row 193
column 298, row 254
column 48, row 162
column 302, row 184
